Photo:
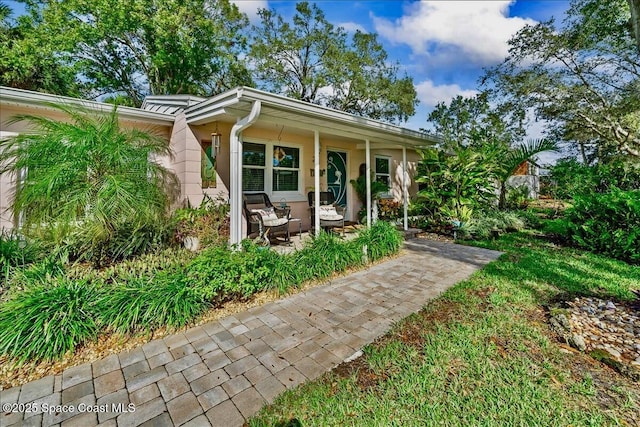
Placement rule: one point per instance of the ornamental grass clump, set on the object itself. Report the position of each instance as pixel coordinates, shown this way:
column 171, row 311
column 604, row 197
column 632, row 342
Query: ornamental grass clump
column 148, row 303
column 381, row 239
column 48, row 320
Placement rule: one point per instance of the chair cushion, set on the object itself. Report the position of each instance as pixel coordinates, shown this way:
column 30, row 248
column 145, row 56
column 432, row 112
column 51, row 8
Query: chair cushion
column 267, row 214
column 329, row 213
column 274, row 222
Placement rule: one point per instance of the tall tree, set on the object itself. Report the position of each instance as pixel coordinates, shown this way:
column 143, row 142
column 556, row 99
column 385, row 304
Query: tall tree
column 474, row 121
column 311, row 60
column 27, row 63
column 584, row 79
column 140, row 47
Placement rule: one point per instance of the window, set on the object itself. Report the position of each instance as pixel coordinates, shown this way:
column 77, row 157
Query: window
column 281, row 174
column 253, row 166
column 207, row 166
column 383, row 170
column 286, row 168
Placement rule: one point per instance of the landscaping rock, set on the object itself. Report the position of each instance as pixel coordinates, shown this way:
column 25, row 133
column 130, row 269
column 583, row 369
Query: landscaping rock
column 576, row 341
column 591, row 324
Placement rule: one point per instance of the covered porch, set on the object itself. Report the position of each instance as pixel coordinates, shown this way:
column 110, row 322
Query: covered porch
column 260, row 142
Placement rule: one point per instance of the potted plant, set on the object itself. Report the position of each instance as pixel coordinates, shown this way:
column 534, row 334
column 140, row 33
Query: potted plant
column 377, row 188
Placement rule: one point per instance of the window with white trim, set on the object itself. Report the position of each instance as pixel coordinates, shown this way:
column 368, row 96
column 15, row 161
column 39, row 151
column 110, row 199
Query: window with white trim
column 253, row 166
column 279, row 176
column 383, row 170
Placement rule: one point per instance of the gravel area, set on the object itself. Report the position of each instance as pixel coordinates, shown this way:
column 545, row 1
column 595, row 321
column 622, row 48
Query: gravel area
column 596, row 324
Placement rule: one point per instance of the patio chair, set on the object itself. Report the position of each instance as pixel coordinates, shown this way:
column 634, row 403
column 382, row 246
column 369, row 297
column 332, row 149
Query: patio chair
column 331, row 214
column 264, row 218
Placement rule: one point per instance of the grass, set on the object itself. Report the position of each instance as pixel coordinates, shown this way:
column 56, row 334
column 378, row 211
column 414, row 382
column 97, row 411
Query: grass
column 481, row 354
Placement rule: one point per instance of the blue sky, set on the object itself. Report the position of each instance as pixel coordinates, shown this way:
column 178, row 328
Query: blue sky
column 442, row 45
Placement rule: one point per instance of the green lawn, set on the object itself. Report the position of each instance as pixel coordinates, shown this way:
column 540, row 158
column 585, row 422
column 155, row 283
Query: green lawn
column 481, row 354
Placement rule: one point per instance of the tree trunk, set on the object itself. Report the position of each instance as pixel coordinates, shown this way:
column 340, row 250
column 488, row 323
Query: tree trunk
column 634, row 5
column 502, row 201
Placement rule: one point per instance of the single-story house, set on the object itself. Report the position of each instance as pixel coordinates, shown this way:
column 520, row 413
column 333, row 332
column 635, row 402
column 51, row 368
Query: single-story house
column 247, row 140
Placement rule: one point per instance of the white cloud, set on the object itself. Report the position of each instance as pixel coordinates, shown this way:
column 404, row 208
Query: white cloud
column 430, row 94
column 250, row 7
column 351, row 27
column 477, row 30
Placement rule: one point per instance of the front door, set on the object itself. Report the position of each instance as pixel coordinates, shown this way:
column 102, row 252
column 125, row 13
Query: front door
column 337, row 175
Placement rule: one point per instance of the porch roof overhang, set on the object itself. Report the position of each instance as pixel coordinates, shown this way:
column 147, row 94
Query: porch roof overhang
column 231, row 105
column 44, row 101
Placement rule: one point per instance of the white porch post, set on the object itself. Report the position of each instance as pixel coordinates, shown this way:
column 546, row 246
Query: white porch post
column 367, row 146
column 316, row 180
column 405, row 190
column 235, row 191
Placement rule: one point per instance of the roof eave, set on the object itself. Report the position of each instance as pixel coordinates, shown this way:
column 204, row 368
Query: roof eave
column 210, row 110
column 26, row 98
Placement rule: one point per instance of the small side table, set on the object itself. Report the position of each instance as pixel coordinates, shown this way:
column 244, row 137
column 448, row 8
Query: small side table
column 299, row 221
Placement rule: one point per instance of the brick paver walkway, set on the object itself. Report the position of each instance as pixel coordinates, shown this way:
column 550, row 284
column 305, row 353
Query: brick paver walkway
column 223, row 372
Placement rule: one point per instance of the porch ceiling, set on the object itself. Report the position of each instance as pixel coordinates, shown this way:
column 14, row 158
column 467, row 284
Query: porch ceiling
column 302, row 115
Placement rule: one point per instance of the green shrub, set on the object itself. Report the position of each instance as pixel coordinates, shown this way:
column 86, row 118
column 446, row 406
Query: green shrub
column 487, row 224
column 148, row 303
column 381, row 239
column 146, row 265
column 209, row 222
column 46, row 321
column 571, row 178
column 607, row 223
column 219, row 274
column 517, row 197
column 531, row 219
column 15, row 252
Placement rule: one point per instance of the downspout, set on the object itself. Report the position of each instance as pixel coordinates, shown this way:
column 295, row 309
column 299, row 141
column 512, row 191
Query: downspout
column 235, row 192
column 405, row 190
column 316, row 181
column 367, row 151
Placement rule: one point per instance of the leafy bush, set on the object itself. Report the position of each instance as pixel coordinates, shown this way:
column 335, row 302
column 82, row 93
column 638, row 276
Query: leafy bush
column 146, row 265
column 571, row 178
column 389, row 209
column 219, row 274
column 47, row 320
column 15, row 252
column 147, row 303
column 607, row 223
column 456, row 182
column 489, row 223
column 517, row 197
column 209, row 222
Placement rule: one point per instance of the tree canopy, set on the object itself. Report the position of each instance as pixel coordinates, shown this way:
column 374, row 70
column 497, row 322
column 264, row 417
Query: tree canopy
column 28, row 63
column 312, row 60
column 584, row 79
column 474, row 121
column 140, row 47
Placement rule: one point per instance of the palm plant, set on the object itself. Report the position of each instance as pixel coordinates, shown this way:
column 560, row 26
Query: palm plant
column 90, row 183
column 508, row 159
